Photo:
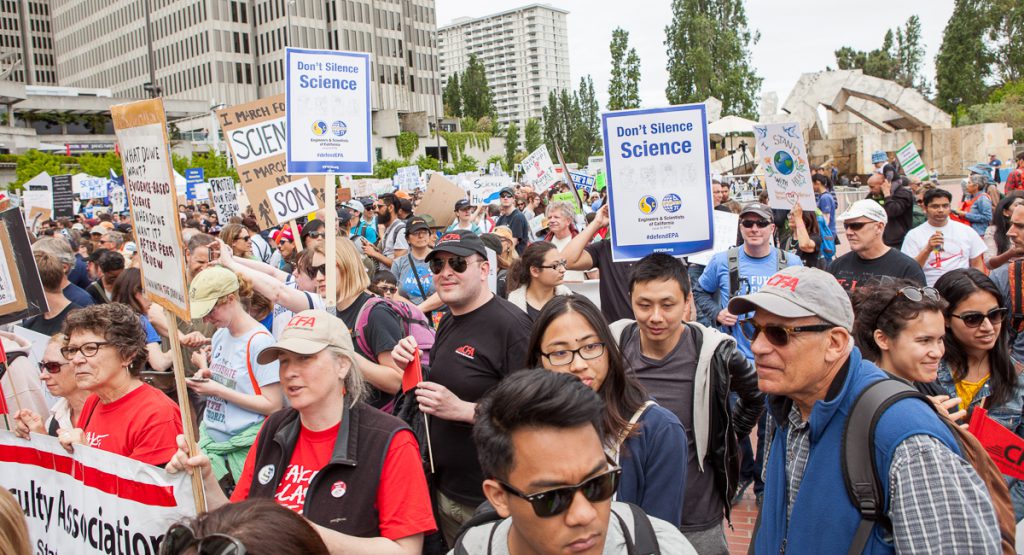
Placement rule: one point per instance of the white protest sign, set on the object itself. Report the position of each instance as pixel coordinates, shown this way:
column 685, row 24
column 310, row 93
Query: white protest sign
column 91, row 501
column 783, row 155
column 659, row 185
column 141, row 129
column 538, row 170
column 117, row 196
column 911, row 161
column 36, row 196
column 201, row 191
column 293, row 200
column 484, row 189
column 224, row 196
column 584, row 183
column 93, row 187
column 328, row 112
column 726, row 224
column 408, row 178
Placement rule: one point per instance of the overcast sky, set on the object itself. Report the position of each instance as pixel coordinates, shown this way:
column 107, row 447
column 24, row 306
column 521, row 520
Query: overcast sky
column 796, row 36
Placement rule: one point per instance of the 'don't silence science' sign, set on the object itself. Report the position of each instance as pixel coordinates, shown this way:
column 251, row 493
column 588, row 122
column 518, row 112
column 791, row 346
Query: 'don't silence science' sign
column 659, row 185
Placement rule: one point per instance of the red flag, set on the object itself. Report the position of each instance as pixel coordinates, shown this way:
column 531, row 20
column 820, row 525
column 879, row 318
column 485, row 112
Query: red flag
column 3, row 371
column 1005, row 447
column 413, row 373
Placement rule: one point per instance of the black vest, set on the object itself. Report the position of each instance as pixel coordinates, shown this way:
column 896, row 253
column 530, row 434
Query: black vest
column 343, row 495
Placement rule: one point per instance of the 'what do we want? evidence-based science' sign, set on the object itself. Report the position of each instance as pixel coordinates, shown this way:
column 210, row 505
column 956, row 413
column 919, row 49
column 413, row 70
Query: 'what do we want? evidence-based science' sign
column 658, row 181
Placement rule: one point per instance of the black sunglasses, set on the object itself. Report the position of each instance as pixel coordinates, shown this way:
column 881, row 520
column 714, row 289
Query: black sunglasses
column 974, row 318
column 315, row 234
column 458, row 264
column 775, row 334
column 180, row 538
column 856, row 226
column 556, row 501
column 321, row 269
column 759, row 223
column 505, row 195
column 53, row 367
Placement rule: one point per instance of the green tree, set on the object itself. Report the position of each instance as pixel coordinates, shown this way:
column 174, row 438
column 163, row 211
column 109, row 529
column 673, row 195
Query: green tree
column 428, row 163
column 407, row 142
column 708, row 49
column 964, row 61
column 624, row 84
column 477, row 100
column 511, row 144
column 900, row 58
column 214, row 165
column 572, row 122
column 99, row 165
column 586, row 136
column 466, row 163
column 533, row 136
column 34, row 162
column 386, row 169
column 452, row 97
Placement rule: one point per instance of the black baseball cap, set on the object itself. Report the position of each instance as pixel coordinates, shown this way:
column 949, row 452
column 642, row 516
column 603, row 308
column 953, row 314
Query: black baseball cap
column 462, row 203
column 508, row 190
column 459, row 242
column 416, row 224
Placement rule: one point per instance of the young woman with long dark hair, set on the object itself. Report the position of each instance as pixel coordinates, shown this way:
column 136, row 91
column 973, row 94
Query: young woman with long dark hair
column 536, row 278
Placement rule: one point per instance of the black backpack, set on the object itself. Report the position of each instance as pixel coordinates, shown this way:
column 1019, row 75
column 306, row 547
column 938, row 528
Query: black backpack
column 734, row 267
column 645, row 543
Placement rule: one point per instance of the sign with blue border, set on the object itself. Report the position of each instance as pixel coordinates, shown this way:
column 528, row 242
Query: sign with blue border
column 659, row 182
column 327, row 99
column 583, row 182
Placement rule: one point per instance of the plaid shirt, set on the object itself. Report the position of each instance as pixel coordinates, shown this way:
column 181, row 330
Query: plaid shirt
column 937, row 503
column 1015, row 181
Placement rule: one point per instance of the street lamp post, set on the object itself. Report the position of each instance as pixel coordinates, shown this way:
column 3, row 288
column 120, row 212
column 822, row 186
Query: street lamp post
column 151, row 87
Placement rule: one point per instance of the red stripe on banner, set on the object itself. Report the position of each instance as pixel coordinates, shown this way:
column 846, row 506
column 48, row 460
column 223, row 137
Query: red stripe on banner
column 112, row 484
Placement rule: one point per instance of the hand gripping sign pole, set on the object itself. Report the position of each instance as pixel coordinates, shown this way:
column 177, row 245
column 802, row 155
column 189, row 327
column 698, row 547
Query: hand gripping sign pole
column 141, row 129
column 330, row 242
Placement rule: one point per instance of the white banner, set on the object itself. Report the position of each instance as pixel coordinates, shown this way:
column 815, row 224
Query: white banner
column 224, row 196
column 293, row 200
column 911, row 161
column 91, row 501
column 784, row 160
column 93, row 187
column 408, row 178
column 538, row 170
column 328, row 112
column 726, row 225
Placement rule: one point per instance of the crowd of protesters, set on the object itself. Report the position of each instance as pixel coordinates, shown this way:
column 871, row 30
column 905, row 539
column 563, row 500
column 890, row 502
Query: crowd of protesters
column 545, row 421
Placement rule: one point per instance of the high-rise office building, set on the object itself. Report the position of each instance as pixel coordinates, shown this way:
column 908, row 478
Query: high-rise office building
column 525, row 52
column 26, row 42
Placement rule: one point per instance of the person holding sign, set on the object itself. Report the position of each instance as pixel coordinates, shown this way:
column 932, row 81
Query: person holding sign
column 240, row 392
column 371, row 500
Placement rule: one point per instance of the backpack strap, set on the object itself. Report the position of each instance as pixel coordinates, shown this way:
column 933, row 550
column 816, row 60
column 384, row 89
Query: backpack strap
column 734, row 270
column 631, row 425
column 416, row 274
column 858, row 455
column 781, row 262
column 643, row 540
column 248, row 363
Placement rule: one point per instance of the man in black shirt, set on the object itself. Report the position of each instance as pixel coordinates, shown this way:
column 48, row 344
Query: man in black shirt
column 898, row 202
column 514, row 219
column 870, row 261
column 613, row 286
column 481, row 341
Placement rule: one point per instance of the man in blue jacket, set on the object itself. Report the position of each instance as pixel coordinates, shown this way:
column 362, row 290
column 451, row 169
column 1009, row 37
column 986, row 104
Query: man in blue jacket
column 808, row 365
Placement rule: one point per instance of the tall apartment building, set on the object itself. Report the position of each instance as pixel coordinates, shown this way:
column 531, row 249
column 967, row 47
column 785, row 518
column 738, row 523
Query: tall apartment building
column 525, row 52
column 232, row 51
column 26, row 39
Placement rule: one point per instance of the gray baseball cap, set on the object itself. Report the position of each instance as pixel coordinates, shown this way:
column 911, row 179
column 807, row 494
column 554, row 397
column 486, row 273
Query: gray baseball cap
column 799, row 292
column 759, row 209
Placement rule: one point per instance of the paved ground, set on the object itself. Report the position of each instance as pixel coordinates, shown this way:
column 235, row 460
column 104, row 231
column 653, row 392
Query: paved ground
column 744, row 515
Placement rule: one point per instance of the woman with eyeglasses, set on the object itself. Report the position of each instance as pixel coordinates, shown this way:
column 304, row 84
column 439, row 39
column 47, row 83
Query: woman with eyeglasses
column 56, row 373
column 644, row 438
column 901, row 328
column 241, row 529
column 239, row 391
column 106, row 349
column 536, row 278
column 977, row 367
column 238, row 238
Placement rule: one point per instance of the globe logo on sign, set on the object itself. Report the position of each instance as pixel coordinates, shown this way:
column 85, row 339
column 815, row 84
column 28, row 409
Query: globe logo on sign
column 784, row 162
column 319, row 127
column 671, row 203
column 339, row 128
column 648, row 204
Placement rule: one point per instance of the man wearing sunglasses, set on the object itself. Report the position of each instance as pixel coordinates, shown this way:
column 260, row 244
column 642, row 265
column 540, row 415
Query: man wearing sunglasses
column 514, row 219
column 539, row 438
column 812, row 372
column 481, row 341
column 870, row 260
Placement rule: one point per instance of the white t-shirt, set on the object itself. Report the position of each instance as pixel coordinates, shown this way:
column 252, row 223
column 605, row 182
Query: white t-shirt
column 228, row 367
column 960, row 245
column 570, row 275
column 282, row 315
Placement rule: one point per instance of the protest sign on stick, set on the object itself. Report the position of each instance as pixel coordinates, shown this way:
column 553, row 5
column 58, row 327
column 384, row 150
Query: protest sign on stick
column 783, row 157
column 91, row 501
column 439, row 200
column 21, row 292
column 224, row 196
column 538, row 170
column 37, row 197
column 911, row 161
column 141, row 129
column 659, row 184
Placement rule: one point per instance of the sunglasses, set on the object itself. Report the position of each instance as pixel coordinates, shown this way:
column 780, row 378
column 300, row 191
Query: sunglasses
column 556, row 501
column 180, row 538
column 242, row 238
column 321, row 269
column 387, row 289
column 974, row 319
column 856, row 226
column 506, row 195
column 315, row 234
column 775, row 334
column 458, row 264
column 759, row 223
column 53, row 367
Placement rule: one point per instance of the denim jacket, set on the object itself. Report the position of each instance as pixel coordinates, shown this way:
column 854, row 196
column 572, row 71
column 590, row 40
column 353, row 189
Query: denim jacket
column 1008, row 414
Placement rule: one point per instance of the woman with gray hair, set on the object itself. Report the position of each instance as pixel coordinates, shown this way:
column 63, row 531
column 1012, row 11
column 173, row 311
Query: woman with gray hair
column 561, row 229
column 367, row 495
column 976, row 208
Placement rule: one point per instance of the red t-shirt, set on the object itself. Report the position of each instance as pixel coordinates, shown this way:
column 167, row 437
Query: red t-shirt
column 143, row 425
column 403, row 502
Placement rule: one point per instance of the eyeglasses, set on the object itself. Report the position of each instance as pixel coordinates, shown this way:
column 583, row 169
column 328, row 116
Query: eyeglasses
column 560, row 264
column 974, row 318
column 505, row 195
column 556, row 501
column 458, row 264
column 321, row 269
column 759, row 223
column 387, row 289
column 856, row 226
column 775, row 334
column 242, row 238
column 315, row 234
column 87, row 349
column 52, row 367
column 565, row 356
column 180, row 537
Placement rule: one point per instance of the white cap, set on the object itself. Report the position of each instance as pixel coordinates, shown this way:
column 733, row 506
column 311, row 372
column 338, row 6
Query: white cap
column 864, row 208
column 354, row 205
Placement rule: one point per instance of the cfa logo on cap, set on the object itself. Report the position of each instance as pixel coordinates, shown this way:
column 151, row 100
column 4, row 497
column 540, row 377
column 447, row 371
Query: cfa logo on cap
column 450, row 237
column 265, row 474
column 338, row 489
column 302, row 322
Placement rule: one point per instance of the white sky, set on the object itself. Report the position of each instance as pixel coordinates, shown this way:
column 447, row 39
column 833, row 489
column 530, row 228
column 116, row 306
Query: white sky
column 797, row 36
